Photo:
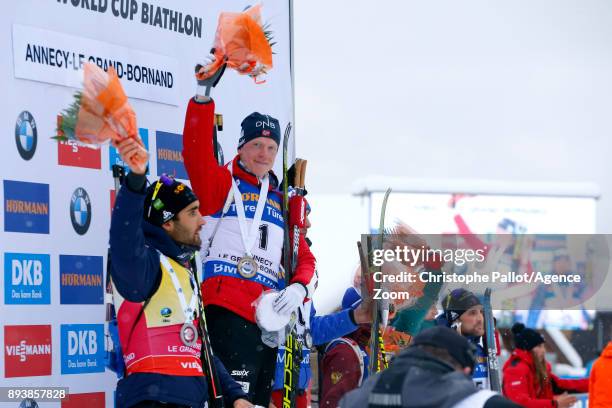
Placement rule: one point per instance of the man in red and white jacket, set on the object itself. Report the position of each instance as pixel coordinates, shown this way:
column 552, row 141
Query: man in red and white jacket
column 245, row 232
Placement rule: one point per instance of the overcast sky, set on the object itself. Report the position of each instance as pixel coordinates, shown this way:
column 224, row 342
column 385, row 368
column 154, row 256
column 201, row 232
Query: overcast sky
column 512, row 90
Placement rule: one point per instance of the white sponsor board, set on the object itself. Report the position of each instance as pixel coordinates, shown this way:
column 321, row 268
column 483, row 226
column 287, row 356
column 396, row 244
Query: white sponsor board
column 56, row 198
column 56, row 58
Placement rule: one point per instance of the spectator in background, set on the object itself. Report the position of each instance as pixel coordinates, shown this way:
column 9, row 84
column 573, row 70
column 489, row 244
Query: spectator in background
column 528, row 379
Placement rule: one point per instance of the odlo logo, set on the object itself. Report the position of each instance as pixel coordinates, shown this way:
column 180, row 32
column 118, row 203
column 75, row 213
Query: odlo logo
column 80, row 211
column 26, row 135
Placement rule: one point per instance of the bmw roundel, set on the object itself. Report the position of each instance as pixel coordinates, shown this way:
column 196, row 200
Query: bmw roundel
column 80, row 211
column 26, row 135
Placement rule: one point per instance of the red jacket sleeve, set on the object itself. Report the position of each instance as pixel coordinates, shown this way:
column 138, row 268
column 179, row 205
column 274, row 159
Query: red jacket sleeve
column 340, row 374
column 571, row 386
column 518, row 388
column 209, row 181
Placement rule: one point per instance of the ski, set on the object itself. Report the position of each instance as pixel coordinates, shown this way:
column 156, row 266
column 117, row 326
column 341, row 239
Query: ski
column 377, row 345
column 113, row 354
column 293, row 347
column 215, row 399
column 491, row 344
column 286, row 254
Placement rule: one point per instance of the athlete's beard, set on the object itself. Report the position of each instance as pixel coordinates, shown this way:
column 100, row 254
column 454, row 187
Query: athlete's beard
column 184, row 237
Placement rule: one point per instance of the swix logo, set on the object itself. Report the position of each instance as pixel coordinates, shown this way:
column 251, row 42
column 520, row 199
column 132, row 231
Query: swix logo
column 266, row 123
column 27, row 351
column 240, row 373
column 302, row 211
column 265, row 132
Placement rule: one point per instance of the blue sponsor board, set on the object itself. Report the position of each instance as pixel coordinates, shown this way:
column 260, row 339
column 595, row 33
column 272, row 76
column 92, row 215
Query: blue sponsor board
column 169, row 155
column 82, row 348
column 81, row 280
column 26, row 207
column 26, row 279
column 113, row 154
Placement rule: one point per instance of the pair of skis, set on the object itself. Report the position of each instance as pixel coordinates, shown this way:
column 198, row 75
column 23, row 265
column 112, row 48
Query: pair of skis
column 294, row 219
column 378, row 354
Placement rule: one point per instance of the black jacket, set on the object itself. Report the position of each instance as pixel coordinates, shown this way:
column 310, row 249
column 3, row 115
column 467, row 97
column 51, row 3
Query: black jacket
column 423, row 381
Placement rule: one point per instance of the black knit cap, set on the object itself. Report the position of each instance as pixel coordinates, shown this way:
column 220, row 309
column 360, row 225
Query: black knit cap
column 458, row 302
column 442, row 337
column 525, row 338
column 166, row 198
column 257, row 125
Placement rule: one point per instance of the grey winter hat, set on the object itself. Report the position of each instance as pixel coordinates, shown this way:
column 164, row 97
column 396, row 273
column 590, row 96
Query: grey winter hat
column 442, row 337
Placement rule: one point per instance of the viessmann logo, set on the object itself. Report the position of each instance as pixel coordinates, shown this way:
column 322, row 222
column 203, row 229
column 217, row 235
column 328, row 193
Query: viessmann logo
column 27, row 351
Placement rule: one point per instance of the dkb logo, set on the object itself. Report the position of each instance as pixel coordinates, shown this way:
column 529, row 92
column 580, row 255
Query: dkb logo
column 82, row 348
column 26, row 278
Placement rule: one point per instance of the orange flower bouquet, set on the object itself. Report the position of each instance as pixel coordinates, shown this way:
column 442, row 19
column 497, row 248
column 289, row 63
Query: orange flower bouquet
column 244, row 43
column 100, row 113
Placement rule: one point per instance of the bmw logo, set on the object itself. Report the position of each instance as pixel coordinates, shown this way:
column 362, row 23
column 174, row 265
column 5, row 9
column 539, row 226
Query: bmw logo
column 26, row 135
column 80, row 211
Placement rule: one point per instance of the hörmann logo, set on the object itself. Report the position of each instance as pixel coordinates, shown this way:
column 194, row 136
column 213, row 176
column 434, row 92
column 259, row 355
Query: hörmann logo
column 80, row 211
column 26, row 279
column 26, row 135
column 169, row 157
column 26, row 207
column 81, row 280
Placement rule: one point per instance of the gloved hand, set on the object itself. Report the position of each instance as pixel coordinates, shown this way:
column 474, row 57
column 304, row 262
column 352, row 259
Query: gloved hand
column 209, row 73
column 289, row 299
